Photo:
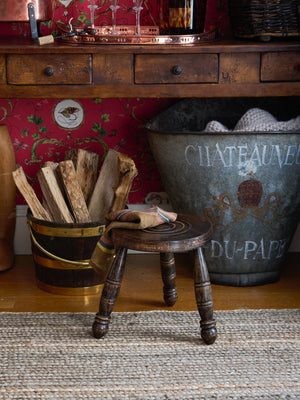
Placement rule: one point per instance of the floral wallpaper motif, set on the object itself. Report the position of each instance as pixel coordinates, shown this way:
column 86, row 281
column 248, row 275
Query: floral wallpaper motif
column 44, row 129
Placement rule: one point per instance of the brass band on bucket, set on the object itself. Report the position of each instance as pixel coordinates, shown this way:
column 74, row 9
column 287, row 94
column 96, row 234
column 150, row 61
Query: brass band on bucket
column 67, row 232
column 69, row 291
column 58, row 264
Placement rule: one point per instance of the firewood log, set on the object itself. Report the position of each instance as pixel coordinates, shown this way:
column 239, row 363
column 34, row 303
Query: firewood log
column 29, row 195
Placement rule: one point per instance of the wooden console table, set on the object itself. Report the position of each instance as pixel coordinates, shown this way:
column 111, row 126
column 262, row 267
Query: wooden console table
column 216, row 69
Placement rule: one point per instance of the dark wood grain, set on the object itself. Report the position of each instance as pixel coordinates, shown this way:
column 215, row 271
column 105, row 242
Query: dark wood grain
column 194, row 68
column 239, row 68
column 212, row 69
column 168, row 273
column 195, row 233
column 110, row 294
column 277, row 66
column 31, row 69
column 204, row 299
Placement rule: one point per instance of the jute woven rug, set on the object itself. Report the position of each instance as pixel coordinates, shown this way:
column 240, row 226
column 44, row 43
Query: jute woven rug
column 150, row 355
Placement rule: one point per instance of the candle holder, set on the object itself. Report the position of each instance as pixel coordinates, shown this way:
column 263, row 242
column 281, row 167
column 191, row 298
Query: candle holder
column 114, row 6
column 92, row 6
column 137, row 7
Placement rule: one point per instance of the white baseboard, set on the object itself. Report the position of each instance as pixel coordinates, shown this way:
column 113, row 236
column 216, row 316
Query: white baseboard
column 22, row 242
column 22, row 238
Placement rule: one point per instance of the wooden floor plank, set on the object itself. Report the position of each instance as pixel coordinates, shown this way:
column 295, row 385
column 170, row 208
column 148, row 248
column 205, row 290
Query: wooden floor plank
column 142, row 289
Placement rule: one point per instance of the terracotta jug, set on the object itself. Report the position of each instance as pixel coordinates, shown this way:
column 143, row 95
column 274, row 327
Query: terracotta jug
column 7, row 200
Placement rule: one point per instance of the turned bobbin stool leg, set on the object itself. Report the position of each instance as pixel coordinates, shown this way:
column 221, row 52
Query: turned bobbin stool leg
column 110, row 294
column 168, row 273
column 204, row 300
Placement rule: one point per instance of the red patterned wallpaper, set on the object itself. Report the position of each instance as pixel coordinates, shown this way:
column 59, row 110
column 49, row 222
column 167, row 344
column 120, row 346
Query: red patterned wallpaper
column 43, row 129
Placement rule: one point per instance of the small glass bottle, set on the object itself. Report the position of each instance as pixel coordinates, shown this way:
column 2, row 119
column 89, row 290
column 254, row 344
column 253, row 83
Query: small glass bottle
column 182, row 17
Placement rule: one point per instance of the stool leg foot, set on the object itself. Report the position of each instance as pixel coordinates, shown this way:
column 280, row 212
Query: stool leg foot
column 100, row 325
column 110, row 294
column 168, row 273
column 204, row 300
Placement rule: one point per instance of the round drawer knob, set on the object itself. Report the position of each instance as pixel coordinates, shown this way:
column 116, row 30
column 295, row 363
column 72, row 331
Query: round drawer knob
column 49, row 71
column 176, row 70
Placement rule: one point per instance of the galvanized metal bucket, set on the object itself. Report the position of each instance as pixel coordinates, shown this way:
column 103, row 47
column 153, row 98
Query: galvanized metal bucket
column 248, row 184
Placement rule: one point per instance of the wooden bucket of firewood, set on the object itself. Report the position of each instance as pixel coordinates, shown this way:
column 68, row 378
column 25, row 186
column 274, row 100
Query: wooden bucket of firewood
column 61, row 254
column 65, row 227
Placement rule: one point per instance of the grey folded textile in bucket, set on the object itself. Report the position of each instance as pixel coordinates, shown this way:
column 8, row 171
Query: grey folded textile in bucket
column 256, row 120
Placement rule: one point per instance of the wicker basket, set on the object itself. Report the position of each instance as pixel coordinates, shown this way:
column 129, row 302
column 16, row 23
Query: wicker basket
column 265, row 19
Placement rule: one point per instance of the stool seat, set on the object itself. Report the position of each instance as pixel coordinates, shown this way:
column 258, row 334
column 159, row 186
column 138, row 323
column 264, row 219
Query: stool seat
column 187, row 233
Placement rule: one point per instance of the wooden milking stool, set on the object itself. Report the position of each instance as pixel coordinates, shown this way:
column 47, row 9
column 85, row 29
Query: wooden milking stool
column 185, row 234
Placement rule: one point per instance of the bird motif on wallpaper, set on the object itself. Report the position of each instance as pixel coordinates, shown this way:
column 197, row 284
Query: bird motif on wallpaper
column 69, row 112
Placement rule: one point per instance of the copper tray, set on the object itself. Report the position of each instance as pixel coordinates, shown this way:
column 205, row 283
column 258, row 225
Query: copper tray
column 125, row 34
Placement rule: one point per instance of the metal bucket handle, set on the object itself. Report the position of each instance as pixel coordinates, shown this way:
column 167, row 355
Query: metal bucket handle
column 82, row 263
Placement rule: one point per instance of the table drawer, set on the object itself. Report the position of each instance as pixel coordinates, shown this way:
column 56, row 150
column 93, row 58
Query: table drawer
column 172, row 68
column 49, row 69
column 280, row 66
